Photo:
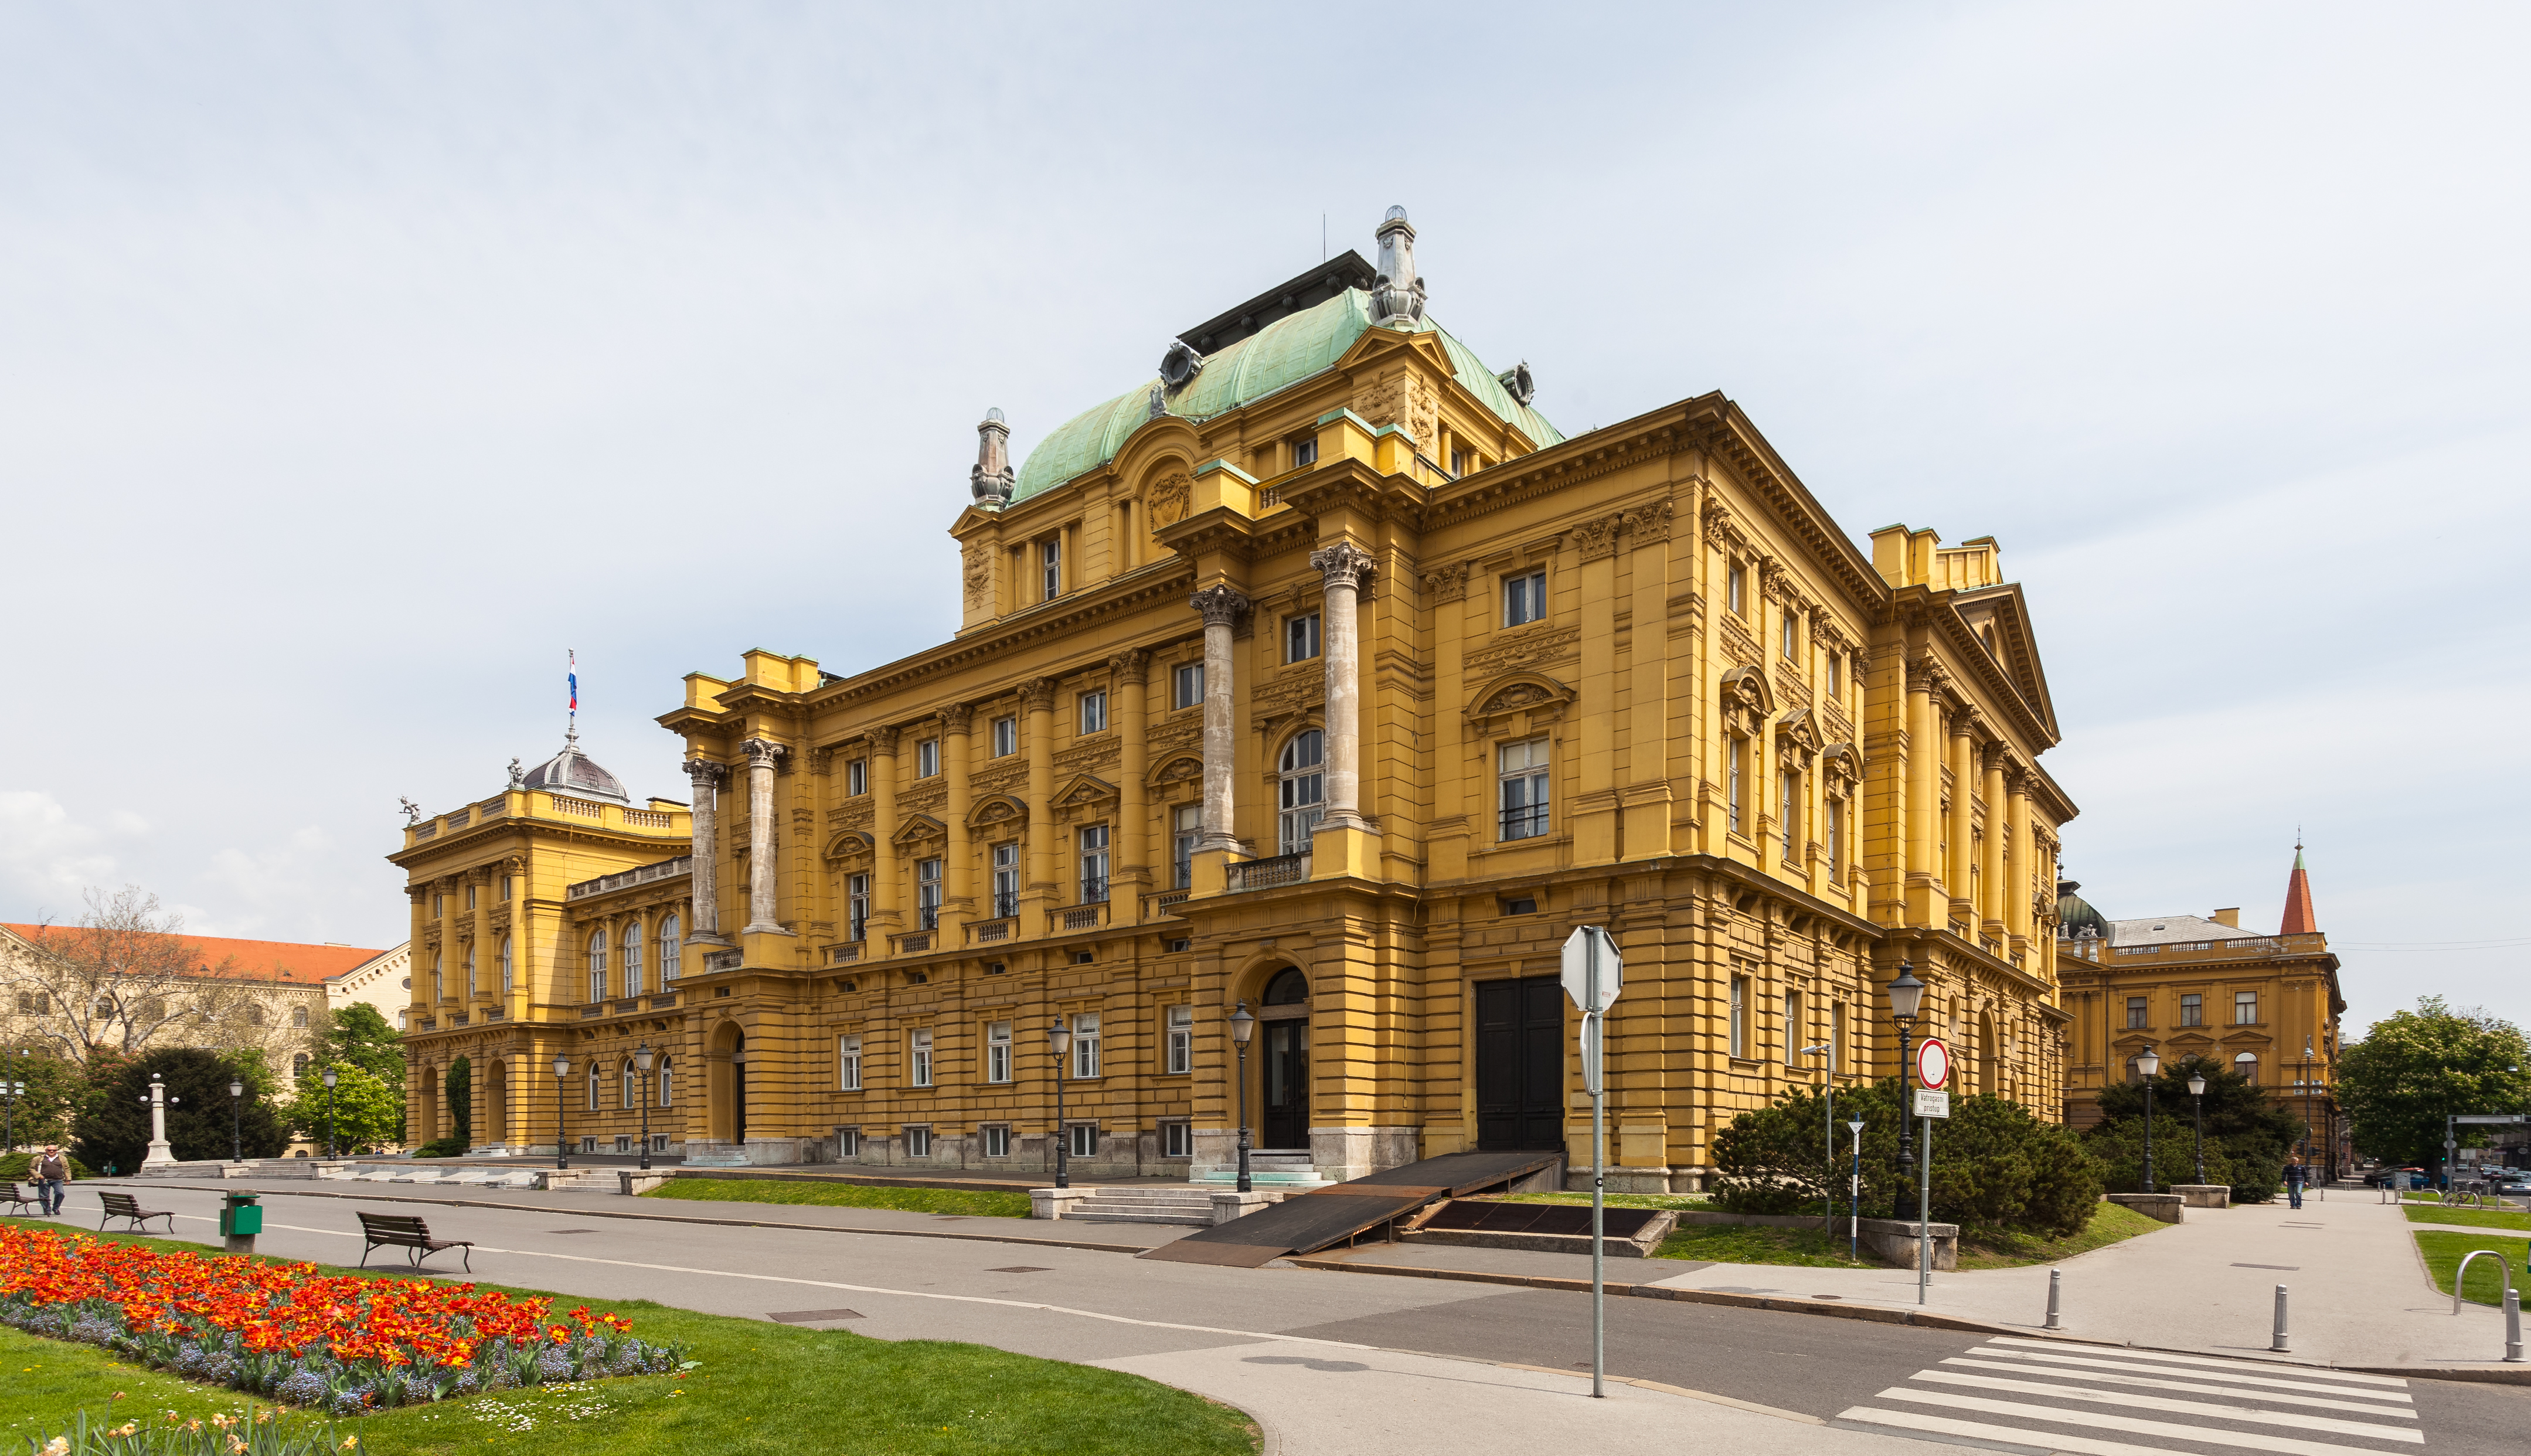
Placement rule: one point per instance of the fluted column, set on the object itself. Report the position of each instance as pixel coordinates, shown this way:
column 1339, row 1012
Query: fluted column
column 2017, row 871
column 764, row 910
column 1220, row 607
column 1343, row 568
column 1133, row 833
column 1955, row 874
column 882, row 785
column 1037, row 700
column 706, row 778
column 1924, row 750
column 958, row 888
column 1991, row 864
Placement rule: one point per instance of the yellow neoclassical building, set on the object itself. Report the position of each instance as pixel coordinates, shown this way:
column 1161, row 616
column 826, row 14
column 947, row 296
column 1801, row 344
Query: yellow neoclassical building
column 1318, row 675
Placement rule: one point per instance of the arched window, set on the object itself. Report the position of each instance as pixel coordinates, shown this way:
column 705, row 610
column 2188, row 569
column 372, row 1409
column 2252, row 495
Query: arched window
column 632, row 943
column 299, row 1066
column 596, row 1085
column 253, row 1014
column 1289, row 988
column 632, row 1085
column 2247, row 1064
column 1304, row 790
column 671, row 947
column 667, row 1082
column 597, row 967
column 297, row 1019
column 505, row 966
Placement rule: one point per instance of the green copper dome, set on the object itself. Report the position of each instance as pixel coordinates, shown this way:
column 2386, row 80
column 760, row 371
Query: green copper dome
column 1282, row 354
column 2075, row 915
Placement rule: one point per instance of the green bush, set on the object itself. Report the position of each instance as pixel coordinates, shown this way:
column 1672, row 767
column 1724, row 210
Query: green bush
column 441, row 1147
column 20, row 1167
column 113, row 1125
column 2247, row 1132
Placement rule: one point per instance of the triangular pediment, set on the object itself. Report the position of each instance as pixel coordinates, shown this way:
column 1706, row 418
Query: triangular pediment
column 918, row 826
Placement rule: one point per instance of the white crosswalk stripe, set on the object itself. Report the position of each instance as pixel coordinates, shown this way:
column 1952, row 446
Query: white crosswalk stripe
column 2101, row 1400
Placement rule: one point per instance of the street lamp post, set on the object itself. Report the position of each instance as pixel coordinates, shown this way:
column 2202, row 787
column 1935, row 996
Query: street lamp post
column 330, row 1074
column 1242, row 1027
column 237, row 1139
column 1906, row 994
column 642, row 1064
column 1059, row 1038
column 2150, row 1066
column 562, row 1106
column 2197, row 1095
column 1854, row 1197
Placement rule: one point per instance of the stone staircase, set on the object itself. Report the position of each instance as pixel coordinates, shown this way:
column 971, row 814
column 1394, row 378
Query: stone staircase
column 1189, row 1205
column 1288, row 1172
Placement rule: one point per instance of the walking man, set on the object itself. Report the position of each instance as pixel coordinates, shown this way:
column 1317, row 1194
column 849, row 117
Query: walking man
column 2295, row 1175
column 52, row 1180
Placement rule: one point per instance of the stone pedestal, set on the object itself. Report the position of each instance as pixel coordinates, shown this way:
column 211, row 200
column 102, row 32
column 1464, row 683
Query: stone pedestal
column 1896, row 1241
column 2204, row 1194
column 1054, row 1202
column 2170, row 1208
column 1235, row 1205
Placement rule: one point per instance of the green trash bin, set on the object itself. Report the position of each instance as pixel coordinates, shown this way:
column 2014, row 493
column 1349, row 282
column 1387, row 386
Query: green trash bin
column 241, row 1215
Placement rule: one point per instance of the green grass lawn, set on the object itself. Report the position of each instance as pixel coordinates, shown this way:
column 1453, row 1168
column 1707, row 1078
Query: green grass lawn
column 760, row 1389
column 981, row 1203
column 2002, row 1249
column 2471, row 1217
column 1980, row 1249
column 2444, row 1253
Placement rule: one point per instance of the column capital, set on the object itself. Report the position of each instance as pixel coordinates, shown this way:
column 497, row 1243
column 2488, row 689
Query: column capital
column 1037, row 694
column 1220, row 606
column 1129, row 667
column 956, row 717
column 882, row 740
column 764, row 752
column 1343, row 564
column 704, row 772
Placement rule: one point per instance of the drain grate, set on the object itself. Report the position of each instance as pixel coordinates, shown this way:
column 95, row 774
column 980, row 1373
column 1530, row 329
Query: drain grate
column 1019, row 1268
column 571, row 1230
column 2290, row 1268
column 812, row 1316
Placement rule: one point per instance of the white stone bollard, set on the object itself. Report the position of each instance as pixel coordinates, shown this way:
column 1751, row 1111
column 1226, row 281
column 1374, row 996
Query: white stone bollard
column 2514, row 1326
column 2282, row 1341
column 2055, row 1282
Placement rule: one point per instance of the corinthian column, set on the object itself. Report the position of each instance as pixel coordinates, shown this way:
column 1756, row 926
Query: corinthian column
column 762, row 914
column 958, row 889
column 1343, row 567
column 1220, row 607
column 706, row 777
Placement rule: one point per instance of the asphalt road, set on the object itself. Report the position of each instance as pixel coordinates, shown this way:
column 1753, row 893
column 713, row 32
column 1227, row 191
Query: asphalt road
column 1086, row 1306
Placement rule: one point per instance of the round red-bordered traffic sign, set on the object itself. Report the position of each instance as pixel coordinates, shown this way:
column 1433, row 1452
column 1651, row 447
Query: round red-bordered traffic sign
column 1933, row 1063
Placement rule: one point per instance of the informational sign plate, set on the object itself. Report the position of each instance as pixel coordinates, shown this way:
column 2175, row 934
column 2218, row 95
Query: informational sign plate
column 1933, row 1104
column 1933, row 1063
column 1577, row 968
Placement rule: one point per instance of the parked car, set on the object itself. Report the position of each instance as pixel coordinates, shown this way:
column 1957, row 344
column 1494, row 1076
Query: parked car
column 2410, row 1178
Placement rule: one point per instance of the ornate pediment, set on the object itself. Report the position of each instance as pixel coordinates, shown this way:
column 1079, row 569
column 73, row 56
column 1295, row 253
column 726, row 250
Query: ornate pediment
column 1181, row 769
column 1519, row 702
column 1797, row 739
column 1842, row 765
column 918, row 828
column 1083, row 798
column 1747, row 700
column 997, row 811
column 851, row 844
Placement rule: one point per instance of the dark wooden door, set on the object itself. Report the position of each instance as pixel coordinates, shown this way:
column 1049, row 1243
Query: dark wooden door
column 1286, row 1079
column 1520, row 1063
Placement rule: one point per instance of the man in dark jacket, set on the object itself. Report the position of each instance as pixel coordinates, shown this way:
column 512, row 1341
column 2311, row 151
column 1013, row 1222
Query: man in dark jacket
column 2295, row 1175
column 52, row 1181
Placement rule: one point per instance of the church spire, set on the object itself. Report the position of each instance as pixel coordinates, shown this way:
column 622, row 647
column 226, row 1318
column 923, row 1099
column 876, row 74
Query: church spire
column 2298, row 919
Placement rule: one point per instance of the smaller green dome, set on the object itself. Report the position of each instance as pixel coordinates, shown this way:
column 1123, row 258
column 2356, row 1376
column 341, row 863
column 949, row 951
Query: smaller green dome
column 2074, row 913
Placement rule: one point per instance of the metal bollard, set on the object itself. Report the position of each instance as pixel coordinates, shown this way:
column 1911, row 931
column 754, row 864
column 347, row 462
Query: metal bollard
column 2282, row 1342
column 2514, row 1326
column 2055, row 1282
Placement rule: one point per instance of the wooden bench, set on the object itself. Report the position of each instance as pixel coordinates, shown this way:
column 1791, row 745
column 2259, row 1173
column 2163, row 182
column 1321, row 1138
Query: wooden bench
column 122, row 1206
column 20, row 1199
column 404, row 1231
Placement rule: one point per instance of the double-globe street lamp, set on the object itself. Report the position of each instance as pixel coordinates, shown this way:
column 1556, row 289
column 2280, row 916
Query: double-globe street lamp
column 1906, row 996
column 2197, row 1095
column 1059, row 1038
column 2150, row 1066
column 562, row 1105
column 236, row 1100
column 1242, row 1027
column 642, row 1061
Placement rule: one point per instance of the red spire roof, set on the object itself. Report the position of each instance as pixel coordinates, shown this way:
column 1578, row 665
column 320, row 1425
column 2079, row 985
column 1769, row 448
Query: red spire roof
column 2298, row 920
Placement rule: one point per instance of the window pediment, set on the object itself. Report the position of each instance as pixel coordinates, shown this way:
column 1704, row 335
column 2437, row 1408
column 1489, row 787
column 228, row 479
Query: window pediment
column 997, row 810
column 1747, row 700
column 1083, row 798
column 919, row 828
column 1518, row 703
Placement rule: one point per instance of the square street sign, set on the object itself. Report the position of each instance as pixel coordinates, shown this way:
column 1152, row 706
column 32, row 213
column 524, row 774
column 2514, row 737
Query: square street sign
column 1930, row 1103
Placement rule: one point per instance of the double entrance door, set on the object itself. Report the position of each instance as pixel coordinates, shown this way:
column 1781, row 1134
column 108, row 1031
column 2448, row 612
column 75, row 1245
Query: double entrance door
column 1520, row 1063
column 1284, row 1079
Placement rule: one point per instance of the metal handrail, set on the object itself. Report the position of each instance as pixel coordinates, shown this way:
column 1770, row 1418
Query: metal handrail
column 2464, row 1273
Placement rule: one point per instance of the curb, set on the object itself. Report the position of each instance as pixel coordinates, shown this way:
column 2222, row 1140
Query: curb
column 814, row 1228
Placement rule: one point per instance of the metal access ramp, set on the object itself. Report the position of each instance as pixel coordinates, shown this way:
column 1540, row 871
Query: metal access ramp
column 1307, row 1223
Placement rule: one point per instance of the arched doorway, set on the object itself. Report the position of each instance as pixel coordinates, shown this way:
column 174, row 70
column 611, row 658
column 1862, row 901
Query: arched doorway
column 1990, row 1070
column 1283, row 1069
column 727, row 1089
column 492, row 1122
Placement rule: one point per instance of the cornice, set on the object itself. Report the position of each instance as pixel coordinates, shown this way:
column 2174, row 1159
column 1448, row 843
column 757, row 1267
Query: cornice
column 1718, row 424
column 1065, row 616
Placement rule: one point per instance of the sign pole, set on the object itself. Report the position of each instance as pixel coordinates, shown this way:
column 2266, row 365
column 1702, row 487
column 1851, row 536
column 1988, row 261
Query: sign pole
column 1593, row 1028
column 1925, row 1213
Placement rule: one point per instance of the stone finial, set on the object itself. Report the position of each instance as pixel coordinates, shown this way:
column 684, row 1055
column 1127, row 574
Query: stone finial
column 412, row 811
column 993, row 478
column 518, row 775
column 1398, row 291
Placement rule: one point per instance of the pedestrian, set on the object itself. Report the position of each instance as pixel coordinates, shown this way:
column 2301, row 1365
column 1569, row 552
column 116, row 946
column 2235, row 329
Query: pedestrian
column 52, row 1180
column 2295, row 1175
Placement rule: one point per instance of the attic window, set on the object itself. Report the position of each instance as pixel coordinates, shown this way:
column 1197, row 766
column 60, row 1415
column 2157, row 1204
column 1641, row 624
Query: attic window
column 1305, row 452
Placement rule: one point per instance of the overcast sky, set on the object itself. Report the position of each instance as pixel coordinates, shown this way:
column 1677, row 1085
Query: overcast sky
column 356, row 362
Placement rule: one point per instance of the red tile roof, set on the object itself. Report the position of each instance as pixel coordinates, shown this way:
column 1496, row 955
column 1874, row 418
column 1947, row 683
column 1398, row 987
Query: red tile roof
column 2299, row 917
column 255, row 959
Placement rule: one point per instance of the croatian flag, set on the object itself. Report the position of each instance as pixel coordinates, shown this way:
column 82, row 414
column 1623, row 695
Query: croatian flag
column 574, row 677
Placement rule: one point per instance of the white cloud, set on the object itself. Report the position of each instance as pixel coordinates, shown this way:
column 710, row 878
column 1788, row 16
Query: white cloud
column 48, row 859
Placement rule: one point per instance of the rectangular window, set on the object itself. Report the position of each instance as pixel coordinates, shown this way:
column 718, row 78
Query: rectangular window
column 1836, row 674
column 1736, row 791
column 597, row 972
column 918, row 1047
column 1085, row 1140
column 1177, row 1140
column 1836, row 841
column 1462, row 462
column 505, row 887
column 1085, row 1044
column 1305, row 452
column 1049, row 561
column 918, row 1142
column 1006, row 737
column 857, row 777
column 848, row 1055
column 997, row 1052
column 2135, row 1014
column 1094, row 712
column 1835, row 1038
column 439, row 906
column 469, row 897
column 1740, row 1016
column 2245, row 1008
column 1523, row 598
column 2192, row 1010
column 926, row 758
column 857, row 894
column 1186, row 826
column 1301, row 637
column 1094, row 865
column 1794, row 1041
column 1522, row 786
column 1789, row 816
column 998, row 1141
column 1181, row 1022
column 1792, row 637
column 1185, row 686
column 927, row 892
column 1735, row 589
column 1006, row 880
column 848, row 1143
column 671, row 954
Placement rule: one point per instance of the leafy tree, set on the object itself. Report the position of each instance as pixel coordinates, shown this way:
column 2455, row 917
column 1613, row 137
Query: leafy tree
column 368, row 1112
column 112, row 1124
column 1994, row 1167
column 2248, row 1131
column 53, row 1089
column 358, row 1035
column 124, row 980
column 2417, row 1067
column 461, row 1102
